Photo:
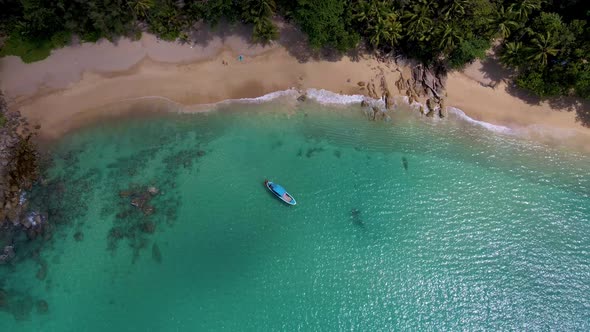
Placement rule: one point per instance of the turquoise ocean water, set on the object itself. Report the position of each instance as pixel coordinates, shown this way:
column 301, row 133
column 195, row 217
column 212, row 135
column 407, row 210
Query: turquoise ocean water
column 410, row 224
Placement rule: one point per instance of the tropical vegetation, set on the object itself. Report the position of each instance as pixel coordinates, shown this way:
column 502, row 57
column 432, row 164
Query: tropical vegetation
column 545, row 42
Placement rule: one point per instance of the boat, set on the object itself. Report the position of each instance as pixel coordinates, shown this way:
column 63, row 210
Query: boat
column 280, row 192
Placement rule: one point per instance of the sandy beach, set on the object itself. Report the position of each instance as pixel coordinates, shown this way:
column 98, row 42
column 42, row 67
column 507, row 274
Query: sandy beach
column 74, row 85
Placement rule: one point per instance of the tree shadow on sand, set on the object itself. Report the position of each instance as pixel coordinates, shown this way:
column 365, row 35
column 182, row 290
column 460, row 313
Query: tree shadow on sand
column 290, row 37
column 563, row 103
column 295, row 42
column 495, row 72
column 203, row 33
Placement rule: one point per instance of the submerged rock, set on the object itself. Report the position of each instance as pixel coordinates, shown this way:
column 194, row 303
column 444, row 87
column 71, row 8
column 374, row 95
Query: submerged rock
column 3, row 298
column 42, row 272
column 42, row 307
column 156, row 254
column 442, row 110
column 124, row 193
column 355, row 215
column 78, row 236
column 148, row 227
column 21, row 307
column 148, row 210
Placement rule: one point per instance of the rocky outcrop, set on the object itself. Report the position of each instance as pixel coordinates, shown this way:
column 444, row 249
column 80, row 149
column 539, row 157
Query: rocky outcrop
column 425, row 82
column 18, row 164
column 386, row 94
column 428, row 81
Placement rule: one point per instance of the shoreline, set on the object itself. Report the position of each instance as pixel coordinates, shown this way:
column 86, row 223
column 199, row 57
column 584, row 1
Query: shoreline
column 75, row 84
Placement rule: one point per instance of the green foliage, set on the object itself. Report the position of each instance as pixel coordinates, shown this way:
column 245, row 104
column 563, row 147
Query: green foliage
column 213, row 11
column 506, row 23
column 534, row 81
column 28, row 50
column 327, row 24
column 61, row 39
column 512, row 54
column 264, row 30
column 141, row 8
column 164, row 19
column 91, row 36
column 582, row 85
column 379, row 22
column 259, row 12
column 467, row 51
column 549, row 50
column 31, row 50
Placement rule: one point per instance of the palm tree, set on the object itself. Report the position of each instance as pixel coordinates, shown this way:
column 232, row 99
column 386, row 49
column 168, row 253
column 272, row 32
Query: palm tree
column 449, row 36
column 141, row 7
column 505, row 22
column 543, row 47
column 258, row 9
column 454, row 8
column 418, row 20
column 264, row 30
column 364, row 11
column 522, row 9
column 512, row 54
column 387, row 29
column 379, row 20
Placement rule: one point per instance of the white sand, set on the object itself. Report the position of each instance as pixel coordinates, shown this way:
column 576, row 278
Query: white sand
column 73, row 84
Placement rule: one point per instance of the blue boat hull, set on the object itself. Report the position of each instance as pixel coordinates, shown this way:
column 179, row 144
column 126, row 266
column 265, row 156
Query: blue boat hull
column 280, row 192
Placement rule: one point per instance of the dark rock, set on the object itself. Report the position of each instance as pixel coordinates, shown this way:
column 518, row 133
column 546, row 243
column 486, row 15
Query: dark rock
column 3, row 298
column 124, row 193
column 405, row 163
column 376, row 110
column 42, row 307
column 442, row 108
column 122, row 215
column 361, row 83
column 313, row 151
column 430, row 107
column 302, row 98
column 21, row 307
column 201, row 153
column 78, row 236
column 148, row 210
column 355, row 215
column 115, row 233
column 138, row 201
column 156, row 254
column 148, row 227
column 42, row 272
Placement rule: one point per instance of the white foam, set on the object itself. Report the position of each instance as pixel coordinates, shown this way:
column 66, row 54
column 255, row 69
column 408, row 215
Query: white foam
column 489, row 126
column 328, row 97
column 267, row 97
